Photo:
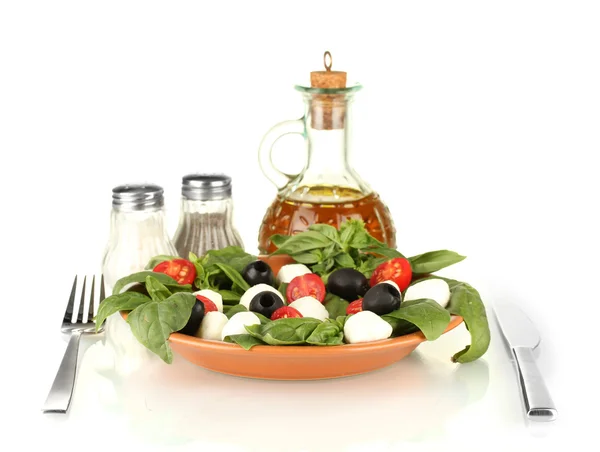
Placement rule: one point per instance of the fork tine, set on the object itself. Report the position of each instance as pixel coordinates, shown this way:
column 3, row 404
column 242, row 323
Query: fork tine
column 102, row 294
column 81, row 303
column 69, row 311
column 90, row 317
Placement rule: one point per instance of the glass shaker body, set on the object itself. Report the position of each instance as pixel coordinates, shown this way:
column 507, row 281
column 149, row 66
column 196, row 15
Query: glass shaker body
column 206, row 217
column 137, row 231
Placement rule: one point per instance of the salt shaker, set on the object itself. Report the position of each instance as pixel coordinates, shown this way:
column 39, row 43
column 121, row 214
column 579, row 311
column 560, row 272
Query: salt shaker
column 137, row 233
column 206, row 217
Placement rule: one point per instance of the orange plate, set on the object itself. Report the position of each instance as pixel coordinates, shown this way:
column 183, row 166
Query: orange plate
column 294, row 362
column 297, row 362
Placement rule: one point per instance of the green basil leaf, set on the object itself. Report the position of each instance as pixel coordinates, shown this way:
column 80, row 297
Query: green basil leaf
column 234, row 310
column 235, row 277
column 157, row 290
column 335, row 305
column 305, row 241
column 391, row 253
column 246, row 341
column 347, row 230
column 307, row 258
column 344, row 260
column 362, row 239
column 283, row 289
column 229, row 296
column 291, row 331
column 174, row 288
column 279, row 239
column 327, row 333
column 126, row 301
column 140, row 277
column 426, row 314
column 234, row 256
column 434, row 260
column 368, row 267
column 341, row 321
column 152, row 323
column 153, row 262
column 327, row 230
column 466, row 302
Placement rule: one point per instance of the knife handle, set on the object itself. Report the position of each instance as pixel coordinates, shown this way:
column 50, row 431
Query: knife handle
column 537, row 400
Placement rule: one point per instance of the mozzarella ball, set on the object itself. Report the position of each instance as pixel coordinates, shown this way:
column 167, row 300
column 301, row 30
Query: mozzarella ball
column 213, row 296
column 391, row 283
column 212, row 325
column 236, row 324
column 310, row 307
column 435, row 289
column 366, row 326
column 255, row 290
column 290, row 271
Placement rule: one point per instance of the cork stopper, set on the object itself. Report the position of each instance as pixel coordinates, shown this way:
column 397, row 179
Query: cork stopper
column 328, row 110
column 327, row 78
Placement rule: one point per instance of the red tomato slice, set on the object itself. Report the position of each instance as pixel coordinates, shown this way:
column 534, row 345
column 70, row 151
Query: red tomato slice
column 397, row 270
column 209, row 305
column 285, row 312
column 181, row 270
column 309, row 285
column 354, row 307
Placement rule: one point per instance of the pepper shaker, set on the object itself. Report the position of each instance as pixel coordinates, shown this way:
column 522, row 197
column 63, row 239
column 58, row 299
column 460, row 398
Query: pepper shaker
column 206, row 217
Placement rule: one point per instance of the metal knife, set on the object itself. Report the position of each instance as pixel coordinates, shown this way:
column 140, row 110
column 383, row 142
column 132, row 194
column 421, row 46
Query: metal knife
column 522, row 338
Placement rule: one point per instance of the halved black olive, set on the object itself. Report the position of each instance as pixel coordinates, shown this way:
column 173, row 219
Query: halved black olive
column 347, row 283
column 382, row 299
column 258, row 272
column 193, row 324
column 266, row 303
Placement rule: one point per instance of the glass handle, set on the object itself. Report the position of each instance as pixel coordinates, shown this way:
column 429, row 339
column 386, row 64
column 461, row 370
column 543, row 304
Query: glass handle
column 278, row 177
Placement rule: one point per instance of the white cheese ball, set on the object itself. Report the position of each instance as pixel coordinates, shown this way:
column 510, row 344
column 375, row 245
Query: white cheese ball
column 435, row 289
column 310, row 307
column 391, row 283
column 212, row 325
column 213, row 296
column 290, row 271
column 366, row 326
column 255, row 290
column 236, row 324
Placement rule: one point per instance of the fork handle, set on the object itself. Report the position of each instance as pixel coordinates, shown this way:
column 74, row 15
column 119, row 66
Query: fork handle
column 59, row 397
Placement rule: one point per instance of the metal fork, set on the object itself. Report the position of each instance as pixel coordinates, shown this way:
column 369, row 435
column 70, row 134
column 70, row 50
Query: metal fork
column 59, row 398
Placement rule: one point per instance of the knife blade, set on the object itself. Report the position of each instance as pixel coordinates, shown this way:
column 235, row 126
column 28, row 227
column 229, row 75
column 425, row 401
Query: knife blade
column 522, row 337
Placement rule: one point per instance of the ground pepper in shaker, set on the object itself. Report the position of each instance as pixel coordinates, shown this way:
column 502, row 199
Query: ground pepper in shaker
column 206, row 217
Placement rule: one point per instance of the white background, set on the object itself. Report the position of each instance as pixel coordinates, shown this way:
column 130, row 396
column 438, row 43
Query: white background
column 478, row 124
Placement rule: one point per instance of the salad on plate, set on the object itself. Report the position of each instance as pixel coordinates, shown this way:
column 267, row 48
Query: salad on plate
column 342, row 287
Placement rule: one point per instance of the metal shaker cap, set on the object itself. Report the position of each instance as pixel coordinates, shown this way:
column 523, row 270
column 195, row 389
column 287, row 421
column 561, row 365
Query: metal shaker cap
column 206, row 187
column 137, row 197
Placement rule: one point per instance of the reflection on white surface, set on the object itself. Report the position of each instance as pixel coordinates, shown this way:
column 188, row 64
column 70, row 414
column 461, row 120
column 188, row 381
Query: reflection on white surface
column 181, row 404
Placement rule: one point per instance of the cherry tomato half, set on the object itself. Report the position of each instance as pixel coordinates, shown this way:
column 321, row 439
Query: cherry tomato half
column 354, row 307
column 181, row 270
column 309, row 285
column 397, row 270
column 285, row 312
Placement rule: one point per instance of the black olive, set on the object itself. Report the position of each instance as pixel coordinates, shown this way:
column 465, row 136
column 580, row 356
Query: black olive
column 193, row 324
column 258, row 272
column 348, row 284
column 266, row 303
column 381, row 299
